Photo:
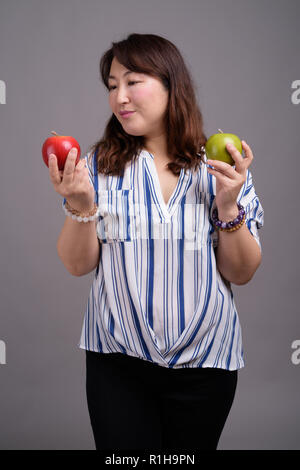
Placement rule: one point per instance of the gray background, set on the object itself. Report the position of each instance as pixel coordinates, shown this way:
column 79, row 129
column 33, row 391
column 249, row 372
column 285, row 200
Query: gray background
column 244, row 56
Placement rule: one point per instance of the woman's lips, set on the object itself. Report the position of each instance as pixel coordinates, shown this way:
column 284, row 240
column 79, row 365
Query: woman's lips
column 124, row 115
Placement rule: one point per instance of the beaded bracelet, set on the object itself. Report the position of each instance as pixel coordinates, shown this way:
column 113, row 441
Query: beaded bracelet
column 80, row 216
column 233, row 224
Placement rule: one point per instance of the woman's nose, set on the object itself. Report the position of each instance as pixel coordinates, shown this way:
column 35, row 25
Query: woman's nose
column 122, row 95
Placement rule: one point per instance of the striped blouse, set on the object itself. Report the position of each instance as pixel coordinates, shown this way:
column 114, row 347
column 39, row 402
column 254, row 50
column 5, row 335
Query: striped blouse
column 157, row 293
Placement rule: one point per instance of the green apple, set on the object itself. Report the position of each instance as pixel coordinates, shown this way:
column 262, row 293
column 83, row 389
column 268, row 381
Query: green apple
column 215, row 147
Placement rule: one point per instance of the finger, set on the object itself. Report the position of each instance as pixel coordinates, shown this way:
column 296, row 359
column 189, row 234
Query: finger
column 237, row 157
column 79, row 173
column 69, row 167
column 222, row 167
column 248, row 153
column 219, row 176
column 53, row 169
column 80, row 165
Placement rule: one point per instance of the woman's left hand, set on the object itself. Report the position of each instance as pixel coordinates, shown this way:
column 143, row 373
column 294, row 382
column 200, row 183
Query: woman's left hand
column 229, row 181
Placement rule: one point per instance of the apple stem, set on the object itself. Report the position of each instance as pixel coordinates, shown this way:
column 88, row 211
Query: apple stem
column 220, row 130
column 54, row 133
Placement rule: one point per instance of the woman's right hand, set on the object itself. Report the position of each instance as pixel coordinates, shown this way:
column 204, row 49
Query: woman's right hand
column 73, row 182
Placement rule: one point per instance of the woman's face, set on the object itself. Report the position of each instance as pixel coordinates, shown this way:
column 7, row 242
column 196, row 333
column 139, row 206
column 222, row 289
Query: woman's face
column 141, row 93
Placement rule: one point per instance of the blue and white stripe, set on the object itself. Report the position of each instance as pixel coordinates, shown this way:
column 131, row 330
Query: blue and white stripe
column 157, row 293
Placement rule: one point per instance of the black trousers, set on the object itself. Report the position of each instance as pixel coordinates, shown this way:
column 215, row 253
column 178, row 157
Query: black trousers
column 135, row 404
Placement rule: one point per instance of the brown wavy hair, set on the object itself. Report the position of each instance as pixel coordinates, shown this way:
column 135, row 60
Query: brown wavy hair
column 158, row 57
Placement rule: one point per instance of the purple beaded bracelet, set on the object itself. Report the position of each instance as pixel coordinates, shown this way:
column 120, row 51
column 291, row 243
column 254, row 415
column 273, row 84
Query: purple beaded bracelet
column 233, row 224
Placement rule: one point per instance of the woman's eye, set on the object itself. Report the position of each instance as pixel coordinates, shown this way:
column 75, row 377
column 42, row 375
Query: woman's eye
column 113, row 87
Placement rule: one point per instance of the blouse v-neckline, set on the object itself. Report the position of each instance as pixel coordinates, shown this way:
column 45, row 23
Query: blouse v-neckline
column 168, row 208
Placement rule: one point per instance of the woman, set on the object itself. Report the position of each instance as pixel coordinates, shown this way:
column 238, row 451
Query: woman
column 161, row 331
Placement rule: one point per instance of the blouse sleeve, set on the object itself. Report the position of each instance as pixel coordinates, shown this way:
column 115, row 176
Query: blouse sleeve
column 253, row 209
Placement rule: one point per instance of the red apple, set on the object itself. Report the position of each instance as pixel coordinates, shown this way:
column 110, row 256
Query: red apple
column 60, row 145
